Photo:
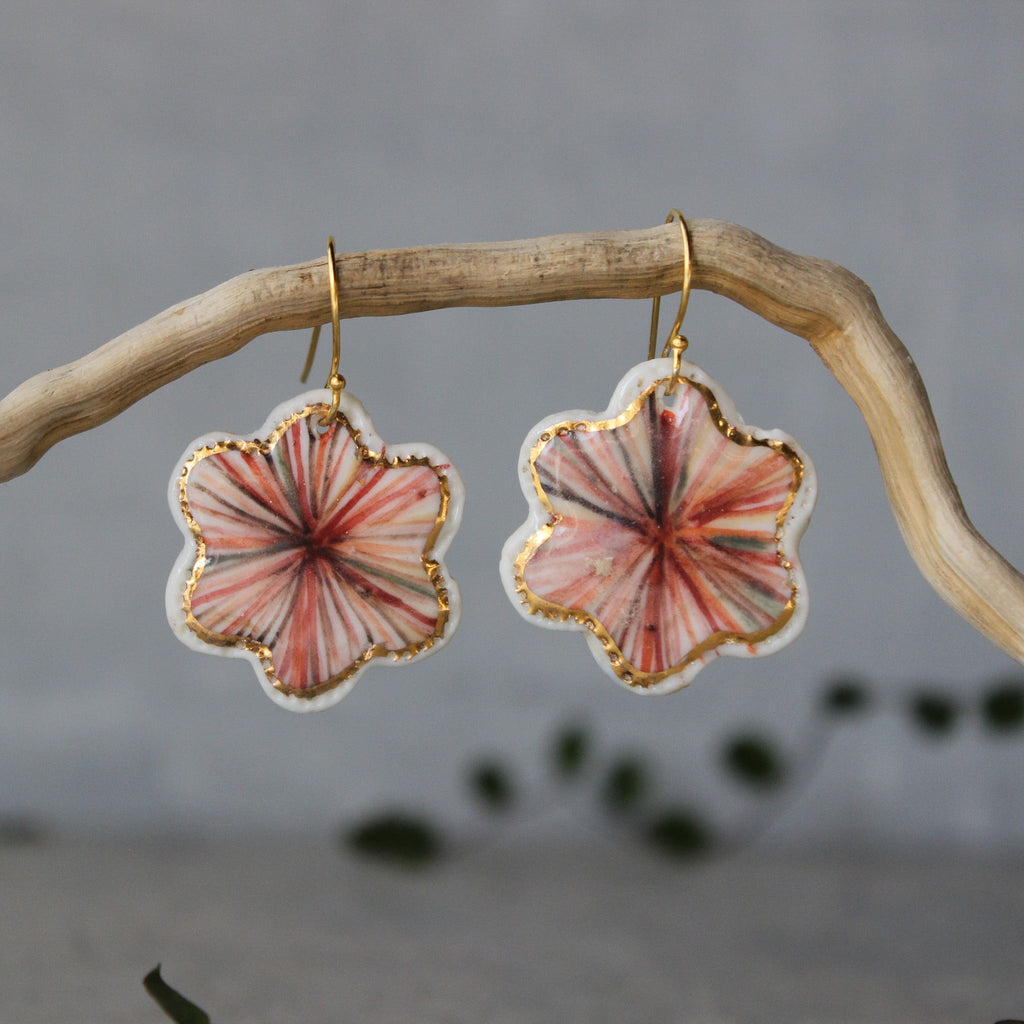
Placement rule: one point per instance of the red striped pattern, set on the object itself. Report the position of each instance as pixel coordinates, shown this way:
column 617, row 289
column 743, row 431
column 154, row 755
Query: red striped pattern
column 315, row 550
column 665, row 532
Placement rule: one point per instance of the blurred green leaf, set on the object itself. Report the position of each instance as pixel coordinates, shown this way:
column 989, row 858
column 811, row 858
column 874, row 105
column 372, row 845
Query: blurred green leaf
column 18, row 830
column 396, row 838
column 1003, row 707
column 934, row 713
column 571, row 749
column 173, row 1003
column 754, row 761
column 680, row 833
column 492, row 786
column 625, row 785
column 846, row 696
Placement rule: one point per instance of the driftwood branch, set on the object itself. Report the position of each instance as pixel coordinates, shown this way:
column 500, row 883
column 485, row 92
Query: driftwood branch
column 820, row 301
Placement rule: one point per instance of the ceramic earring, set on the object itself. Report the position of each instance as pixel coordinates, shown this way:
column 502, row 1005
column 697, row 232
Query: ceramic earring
column 314, row 550
column 663, row 528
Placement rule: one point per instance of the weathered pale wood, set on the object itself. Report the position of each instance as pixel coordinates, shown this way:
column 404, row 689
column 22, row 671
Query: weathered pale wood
column 818, row 300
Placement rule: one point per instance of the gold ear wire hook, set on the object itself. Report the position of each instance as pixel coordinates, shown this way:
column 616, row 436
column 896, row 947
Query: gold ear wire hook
column 335, row 381
column 676, row 343
column 311, row 354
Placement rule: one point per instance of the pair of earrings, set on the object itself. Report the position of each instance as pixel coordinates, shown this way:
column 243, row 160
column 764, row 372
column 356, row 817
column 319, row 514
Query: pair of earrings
column 663, row 528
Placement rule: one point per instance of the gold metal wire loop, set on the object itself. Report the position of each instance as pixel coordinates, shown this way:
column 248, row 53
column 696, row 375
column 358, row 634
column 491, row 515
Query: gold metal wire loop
column 676, row 343
column 335, row 381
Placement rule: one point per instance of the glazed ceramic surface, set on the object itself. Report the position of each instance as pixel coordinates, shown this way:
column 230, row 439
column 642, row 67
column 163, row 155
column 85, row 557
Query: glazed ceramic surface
column 314, row 551
column 664, row 527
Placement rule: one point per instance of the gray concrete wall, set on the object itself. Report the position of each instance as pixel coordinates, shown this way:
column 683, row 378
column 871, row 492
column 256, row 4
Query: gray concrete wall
column 150, row 151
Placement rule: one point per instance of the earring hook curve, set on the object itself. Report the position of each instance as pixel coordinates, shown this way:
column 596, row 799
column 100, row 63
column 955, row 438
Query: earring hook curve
column 676, row 342
column 335, row 381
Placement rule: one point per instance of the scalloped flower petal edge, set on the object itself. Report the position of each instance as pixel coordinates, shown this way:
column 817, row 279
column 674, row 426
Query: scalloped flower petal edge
column 314, row 552
column 664, row 528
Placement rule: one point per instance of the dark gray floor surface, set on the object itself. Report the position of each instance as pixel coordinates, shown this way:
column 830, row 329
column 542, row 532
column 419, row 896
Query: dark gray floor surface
column 279, row 930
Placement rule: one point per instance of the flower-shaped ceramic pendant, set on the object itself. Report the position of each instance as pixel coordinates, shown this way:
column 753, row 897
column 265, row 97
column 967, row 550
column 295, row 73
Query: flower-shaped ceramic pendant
column 664, row 528
column 314, row 550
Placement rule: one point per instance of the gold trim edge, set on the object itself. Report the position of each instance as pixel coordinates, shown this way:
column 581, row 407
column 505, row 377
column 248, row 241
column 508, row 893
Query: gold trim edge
column 623, row 669
column 430, row 564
